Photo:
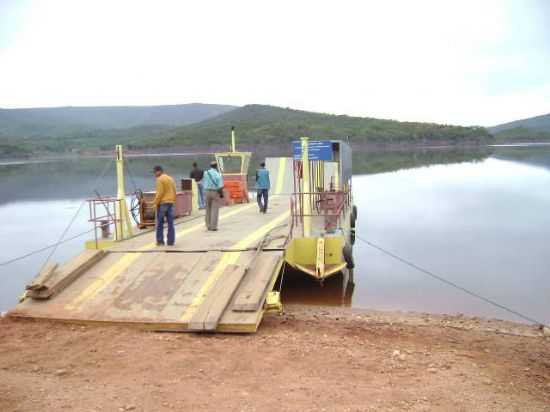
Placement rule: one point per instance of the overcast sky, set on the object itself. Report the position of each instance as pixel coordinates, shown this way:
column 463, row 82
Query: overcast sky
column 462, row 62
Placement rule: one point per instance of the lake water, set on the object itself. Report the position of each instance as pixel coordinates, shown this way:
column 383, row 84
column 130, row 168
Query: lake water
column 480, row 218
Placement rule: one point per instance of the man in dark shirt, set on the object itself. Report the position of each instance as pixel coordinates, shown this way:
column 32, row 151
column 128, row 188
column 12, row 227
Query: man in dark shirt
column 197, row 174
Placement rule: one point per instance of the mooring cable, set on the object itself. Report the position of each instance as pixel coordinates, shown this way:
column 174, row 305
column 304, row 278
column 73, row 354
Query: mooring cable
column 130, row 174
column 54, row 248
column 450, row 283
column 37, row 251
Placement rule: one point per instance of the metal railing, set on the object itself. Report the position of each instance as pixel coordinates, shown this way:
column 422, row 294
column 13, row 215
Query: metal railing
column 327, row 208
column 111, row 216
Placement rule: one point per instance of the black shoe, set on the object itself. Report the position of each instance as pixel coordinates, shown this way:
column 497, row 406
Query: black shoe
column 160, row 243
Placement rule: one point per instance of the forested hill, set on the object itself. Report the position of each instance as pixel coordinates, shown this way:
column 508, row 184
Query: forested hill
column 63, row 121
column 533, row 129
column 258, row 124
column 255, row 124
column 537, row 123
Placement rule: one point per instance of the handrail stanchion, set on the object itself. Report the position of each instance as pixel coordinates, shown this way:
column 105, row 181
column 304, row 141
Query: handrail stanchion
column 306, row 187
column 123, row 214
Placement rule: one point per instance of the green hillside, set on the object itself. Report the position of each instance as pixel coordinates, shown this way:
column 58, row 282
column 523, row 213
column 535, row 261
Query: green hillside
column 522, row 134
column 541, row 123
column 256, row 125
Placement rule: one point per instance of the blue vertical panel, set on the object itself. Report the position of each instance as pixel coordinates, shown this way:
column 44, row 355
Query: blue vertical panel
column 317, row 150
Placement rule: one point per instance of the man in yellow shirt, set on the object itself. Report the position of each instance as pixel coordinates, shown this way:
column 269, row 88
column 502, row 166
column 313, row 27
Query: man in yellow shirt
column 165, row 200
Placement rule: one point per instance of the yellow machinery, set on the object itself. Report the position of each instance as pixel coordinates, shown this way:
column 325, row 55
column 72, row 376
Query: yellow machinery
column 323, row 215
column 233, row 166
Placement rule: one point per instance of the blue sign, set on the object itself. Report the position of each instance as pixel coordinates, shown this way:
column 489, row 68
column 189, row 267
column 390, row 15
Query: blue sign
column 316, row 150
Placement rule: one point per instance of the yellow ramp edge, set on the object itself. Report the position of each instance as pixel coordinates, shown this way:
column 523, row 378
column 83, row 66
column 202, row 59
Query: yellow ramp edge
column 230, row 258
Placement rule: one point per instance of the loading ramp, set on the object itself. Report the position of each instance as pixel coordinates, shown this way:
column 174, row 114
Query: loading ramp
column 208, row 282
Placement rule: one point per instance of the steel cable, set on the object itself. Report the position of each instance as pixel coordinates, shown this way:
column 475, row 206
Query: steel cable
column 450, row 283
column 37, row 251
column 130, row 174
column 54, row 248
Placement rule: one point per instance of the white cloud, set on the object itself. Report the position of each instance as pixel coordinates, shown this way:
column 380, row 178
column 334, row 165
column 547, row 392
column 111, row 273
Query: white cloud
column 408, row 60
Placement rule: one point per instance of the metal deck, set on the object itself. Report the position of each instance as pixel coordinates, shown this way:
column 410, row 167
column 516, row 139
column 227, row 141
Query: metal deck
column 210, row 281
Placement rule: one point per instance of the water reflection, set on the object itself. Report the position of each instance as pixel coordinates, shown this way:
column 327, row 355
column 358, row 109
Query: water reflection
column 531, row 155
column 297, row 287
column 370, row 162
column 482, row 225
column 77, row 178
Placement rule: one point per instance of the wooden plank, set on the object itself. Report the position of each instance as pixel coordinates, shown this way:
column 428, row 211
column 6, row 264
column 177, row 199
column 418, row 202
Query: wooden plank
column 210, row 312
column 143, row 295
column 59, row 279
column 252, row 294
column 39, row 281
column 245, row 322
column 198, row 267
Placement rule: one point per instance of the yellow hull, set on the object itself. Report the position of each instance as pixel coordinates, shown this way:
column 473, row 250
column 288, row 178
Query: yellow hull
column 318, row 257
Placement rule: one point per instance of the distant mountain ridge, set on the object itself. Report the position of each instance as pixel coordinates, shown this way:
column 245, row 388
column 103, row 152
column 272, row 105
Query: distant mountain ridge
column 60, row 121
column 533, row 129
column 262, row 124
column 541, row 122
column 256, row 125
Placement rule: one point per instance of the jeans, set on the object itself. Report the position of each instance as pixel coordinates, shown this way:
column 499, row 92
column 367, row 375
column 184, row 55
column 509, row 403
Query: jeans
column 200, row 188
column 262, row 193
column 166, row 210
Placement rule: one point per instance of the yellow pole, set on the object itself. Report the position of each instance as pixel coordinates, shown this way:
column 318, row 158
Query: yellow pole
column 123, row 226
column 233, row 147
column 306, row 187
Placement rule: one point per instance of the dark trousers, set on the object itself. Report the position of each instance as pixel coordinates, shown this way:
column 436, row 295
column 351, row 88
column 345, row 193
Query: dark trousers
column 212, row 209
column 262, row 199
column 166, row 210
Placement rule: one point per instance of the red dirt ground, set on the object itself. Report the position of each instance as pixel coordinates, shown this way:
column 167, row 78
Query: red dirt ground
column 311, row 359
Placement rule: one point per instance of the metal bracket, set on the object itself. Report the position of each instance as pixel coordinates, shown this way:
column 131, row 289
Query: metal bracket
column 320, row 260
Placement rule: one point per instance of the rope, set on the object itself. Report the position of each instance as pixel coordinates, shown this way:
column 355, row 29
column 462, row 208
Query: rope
column 448, row 282
column 37, row 251
column 59, row 241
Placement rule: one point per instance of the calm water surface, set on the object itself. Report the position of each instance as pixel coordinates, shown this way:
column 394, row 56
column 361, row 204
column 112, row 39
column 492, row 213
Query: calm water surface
column 479, row 218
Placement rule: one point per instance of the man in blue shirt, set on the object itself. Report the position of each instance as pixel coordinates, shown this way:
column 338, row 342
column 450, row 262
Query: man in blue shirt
column 262, row 186
column 213, row 186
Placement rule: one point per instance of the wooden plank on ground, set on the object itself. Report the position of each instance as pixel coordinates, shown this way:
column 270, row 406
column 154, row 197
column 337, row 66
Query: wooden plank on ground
column 39, row 281
column 245, row 322
column 252, row 294
column 210, row 312
column 58, row 279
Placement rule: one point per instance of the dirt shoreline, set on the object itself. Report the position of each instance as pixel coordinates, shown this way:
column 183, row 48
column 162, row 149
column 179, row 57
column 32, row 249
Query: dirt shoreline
column 310, row 359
